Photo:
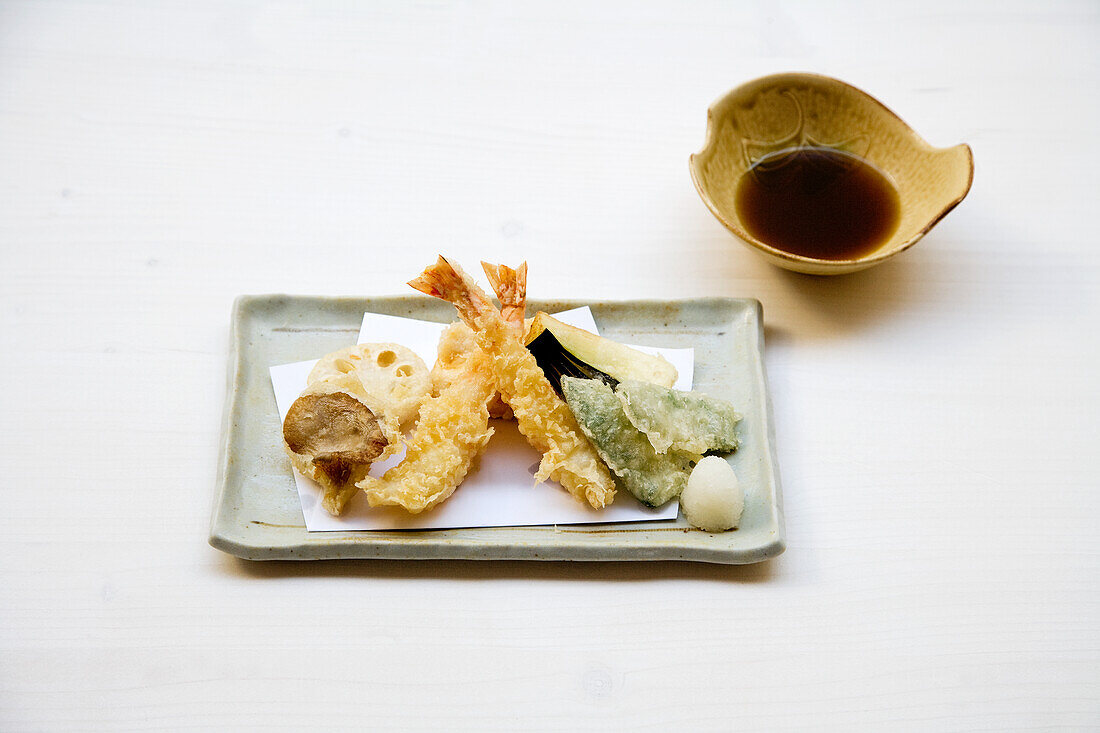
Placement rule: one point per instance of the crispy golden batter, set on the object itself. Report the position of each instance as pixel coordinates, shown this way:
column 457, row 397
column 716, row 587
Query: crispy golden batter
column 453, row 427
column 392, row 380
column 543, row 418
column 455, row 343
column 458, row 339
column 452, row 431
column 332, row 436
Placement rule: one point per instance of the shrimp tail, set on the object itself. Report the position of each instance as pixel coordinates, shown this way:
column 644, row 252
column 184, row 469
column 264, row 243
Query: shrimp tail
column 510, row 286
column 452, row 284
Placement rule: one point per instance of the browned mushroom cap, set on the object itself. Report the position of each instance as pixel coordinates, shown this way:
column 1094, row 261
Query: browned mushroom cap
column 336, row 430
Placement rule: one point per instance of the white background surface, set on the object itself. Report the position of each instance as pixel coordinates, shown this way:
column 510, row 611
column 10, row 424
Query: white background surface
column 936, row 416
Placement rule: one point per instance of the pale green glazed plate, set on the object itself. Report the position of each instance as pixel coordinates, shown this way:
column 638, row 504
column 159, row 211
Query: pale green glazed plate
column 257, row 514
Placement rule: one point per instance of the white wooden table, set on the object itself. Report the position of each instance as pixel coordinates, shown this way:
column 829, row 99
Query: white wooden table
column 936, row 416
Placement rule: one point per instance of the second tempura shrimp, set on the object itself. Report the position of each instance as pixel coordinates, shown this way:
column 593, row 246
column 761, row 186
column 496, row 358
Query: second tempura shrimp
column 452, row 430
column 543, row 418
column 510, row 286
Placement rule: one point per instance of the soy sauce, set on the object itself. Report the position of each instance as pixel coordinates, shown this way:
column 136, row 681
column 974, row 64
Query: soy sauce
column 818, row 202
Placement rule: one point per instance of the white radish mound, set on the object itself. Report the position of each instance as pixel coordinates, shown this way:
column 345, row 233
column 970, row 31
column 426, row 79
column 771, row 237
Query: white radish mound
column 713, row 499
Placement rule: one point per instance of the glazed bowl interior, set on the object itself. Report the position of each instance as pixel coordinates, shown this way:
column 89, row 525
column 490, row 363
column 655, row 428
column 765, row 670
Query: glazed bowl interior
column 792, row 110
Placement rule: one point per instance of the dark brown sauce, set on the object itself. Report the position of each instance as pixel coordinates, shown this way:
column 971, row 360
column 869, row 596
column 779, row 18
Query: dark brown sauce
column 818, row 202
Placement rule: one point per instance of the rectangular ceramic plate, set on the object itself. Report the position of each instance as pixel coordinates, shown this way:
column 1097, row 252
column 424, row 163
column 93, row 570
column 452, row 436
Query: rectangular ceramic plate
column 257, row 514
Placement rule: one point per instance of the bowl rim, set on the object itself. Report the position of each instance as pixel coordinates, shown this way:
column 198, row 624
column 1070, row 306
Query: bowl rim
column 874, row 257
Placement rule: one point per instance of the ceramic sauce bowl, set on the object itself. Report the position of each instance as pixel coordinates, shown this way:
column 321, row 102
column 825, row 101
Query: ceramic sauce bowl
column 785, row 111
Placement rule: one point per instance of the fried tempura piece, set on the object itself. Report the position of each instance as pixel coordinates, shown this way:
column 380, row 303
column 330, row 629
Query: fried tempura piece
column 456, row 341
column 653, row 479
column 455, row 345
column 684, row 421
column 392, row 380
column 544, row 419
column 458, row 338
column 452, row 431
column 510, row 287
column 332, row 436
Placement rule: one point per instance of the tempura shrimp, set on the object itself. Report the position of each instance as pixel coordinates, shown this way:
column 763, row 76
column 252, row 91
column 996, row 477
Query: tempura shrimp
column 453, row 425
column 510, row 286
column 452, row 430
column 544, row 419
